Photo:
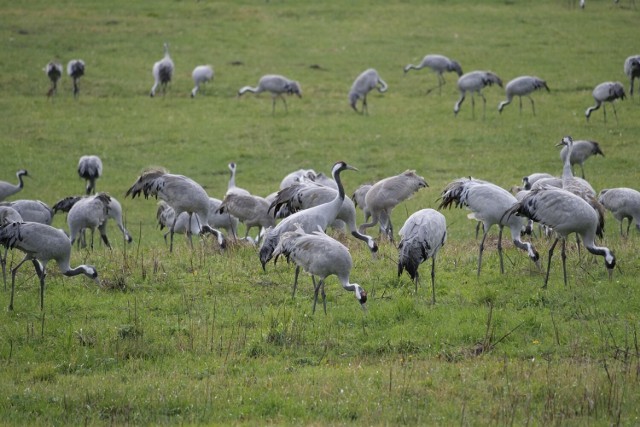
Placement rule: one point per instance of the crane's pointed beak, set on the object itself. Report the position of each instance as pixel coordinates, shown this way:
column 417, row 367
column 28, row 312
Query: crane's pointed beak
column 352, row 168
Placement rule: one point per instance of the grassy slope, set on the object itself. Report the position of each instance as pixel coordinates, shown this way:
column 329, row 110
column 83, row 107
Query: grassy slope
column 207, row 337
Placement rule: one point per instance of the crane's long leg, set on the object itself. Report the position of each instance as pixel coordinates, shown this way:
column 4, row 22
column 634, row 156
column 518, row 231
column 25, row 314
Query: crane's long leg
column 416, row 280
column 546, row 279
column 604, row 108
column 324, row 298
column 500, row 249
column 484, row 236
column 316, row 288
column 615, row 113
column 484, row 105
column 284, row 101
column 103, row 234
column 533, row 106
column 13, row 279
column 171, row 231
column 582, row 169
column 473, row 106
column 628, row 227
column 456, row 107
column 564, row 260
column 364, row 105
column 189, row 236
column 41, row 275
column 520, row 99
column 295, row 282
column 433, row 279
column 3, row 261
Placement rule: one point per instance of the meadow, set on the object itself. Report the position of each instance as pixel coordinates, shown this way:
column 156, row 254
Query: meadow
column 204, row 336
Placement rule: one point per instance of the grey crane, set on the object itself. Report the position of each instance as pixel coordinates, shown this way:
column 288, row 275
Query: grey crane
column 386, row 194
column 90, row 169
column 113, row 211
column 581, row 151
column 531, row 179
column 297, row 176
column 7, row 189
column 303, row 196
column 181, row 193
column 165, row 216
column 606, row 92
column 358, row 198
column 309, row 219
column 321, row 256
column 201, row 74
column 231, row 186
column 522, row 86
column 423, row 234
column 75, row 70
column 632, row 70
column 474, row 82
column 488, row 202
column 53, row 70
column 565, row 213
column 7, row 215
column 622, row 203
column 277, row 85
column 86, row 212
column 439, row 64
column 32, row 210
column 367, row 81
column 162, row 72
column 252, row 211
column 41, row 243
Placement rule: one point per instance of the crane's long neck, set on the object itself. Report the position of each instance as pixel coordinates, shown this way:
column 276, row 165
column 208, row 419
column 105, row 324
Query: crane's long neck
column 566, row 168
column 20, row 182
column 232, row 179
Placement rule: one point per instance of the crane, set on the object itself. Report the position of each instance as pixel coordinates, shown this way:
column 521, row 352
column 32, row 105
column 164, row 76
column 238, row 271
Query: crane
column 439, row 64
column 565, row 213
column 488, row 202
column 474, row 82
column 41, row 243
column 7, row 189
column 606, row 92
column 321, row 256
column 423, row 234
column 581, row 151
column 386, row 194
column 53, row 70
column 277, row 85
column 623, row 203
column 181, row 193
column 367, row 81
column 201, row 74
column 75, row 70
column 90, row 169
column 162, row 72
column 522, row 86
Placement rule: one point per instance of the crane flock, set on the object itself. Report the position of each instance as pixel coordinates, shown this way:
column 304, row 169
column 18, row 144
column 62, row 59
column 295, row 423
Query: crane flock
column 311, row 202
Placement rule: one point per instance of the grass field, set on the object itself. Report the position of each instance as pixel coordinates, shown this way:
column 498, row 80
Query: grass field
column 206, row 337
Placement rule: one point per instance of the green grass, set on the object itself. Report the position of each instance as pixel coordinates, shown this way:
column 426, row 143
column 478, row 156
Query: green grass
column 204, row 337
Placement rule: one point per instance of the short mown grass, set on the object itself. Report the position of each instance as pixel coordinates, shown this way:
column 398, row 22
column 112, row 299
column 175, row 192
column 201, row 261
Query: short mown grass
column 204, row 336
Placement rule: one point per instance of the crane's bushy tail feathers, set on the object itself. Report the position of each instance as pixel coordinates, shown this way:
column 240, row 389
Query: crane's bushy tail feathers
column 149, row 183
column 65, row 204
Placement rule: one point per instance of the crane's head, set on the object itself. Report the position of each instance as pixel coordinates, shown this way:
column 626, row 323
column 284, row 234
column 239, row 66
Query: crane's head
column 232, row 166
column 353, row 99
column 293, row 88
column 609, row 262
column 566, row 140
column 455, row 66
column 361, row 296
column 340, row 166
column 22, row 172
